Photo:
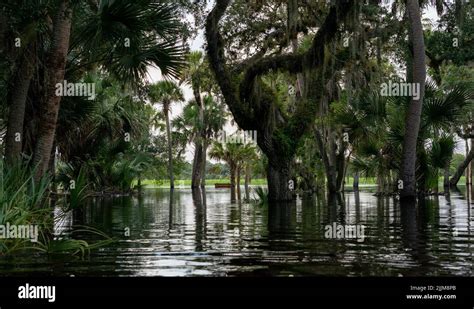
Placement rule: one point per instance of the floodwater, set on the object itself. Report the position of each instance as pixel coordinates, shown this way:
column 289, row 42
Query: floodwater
column 186, row 234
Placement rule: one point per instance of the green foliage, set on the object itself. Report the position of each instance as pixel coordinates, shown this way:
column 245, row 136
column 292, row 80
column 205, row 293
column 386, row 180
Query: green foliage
column 107, row 143
column 22, row 200
column 129, row 37
column 79, row 194
column 261, row 197
column 25, row 202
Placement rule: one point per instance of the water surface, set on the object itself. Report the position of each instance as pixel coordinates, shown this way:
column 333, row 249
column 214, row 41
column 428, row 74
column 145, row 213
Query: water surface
column 186, row 234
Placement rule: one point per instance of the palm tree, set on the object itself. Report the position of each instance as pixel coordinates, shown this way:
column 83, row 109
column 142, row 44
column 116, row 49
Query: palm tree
column 90, row 136
column 413, row 116
column 191, row 74
column 55, row 67
column 199, row 125
column 197, row 74
column 27, row 22
column 127, row 38
column 375, row 125
column 124, row 38
column 230, row 153
column 214, row 119
column 248, row 156
column 166, row 92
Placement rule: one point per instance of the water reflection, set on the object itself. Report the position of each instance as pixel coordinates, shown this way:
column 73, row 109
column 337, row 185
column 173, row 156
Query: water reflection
column 198, row 233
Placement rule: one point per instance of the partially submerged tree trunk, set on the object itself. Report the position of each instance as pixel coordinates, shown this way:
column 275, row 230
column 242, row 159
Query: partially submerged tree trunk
column 239, row 195
column 205, row 145
column 247, row 182
column 413, row 117
column 55, row 68
column 469, row 167
column 197, row 165
column 199, row 170
column 254, row 105
column 233, row 169
column 355, row 184
column 328, row 162
column 278, row 177
column 461, row 168
column 166, row 108
column 340, row 167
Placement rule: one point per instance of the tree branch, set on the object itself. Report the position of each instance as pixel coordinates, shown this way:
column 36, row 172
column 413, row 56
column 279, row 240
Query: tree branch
column 312, row 58
column 215, row 52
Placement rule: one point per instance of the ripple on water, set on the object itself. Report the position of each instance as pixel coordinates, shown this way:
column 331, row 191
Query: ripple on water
column 191, row 238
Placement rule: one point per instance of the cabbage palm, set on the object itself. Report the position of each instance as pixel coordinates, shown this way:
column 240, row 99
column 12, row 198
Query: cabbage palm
column 197, row 74
column 413, row 116
column 376, row 124
column 123, row 37
column 27, row 21
column 199, row 125
column 248, row 156
column 166, row 92
column 231, row 154
column 127, row 37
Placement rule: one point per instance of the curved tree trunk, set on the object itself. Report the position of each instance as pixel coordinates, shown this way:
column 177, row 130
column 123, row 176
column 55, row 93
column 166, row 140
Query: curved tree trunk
column 461, row 168
column 253, row 103
column 18, row 96
column 55, row 68
column 166, row 109
column 413, row 117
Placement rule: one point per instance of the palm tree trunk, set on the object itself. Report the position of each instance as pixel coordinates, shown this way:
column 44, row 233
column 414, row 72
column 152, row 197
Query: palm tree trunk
column 55, row 69
column 197, row 165
column 247, row 182
column 461, row 168
column 19, row 94
column 341, row 170
column 446, row 176
column 355, row 185
column 239, row 195
column 166, row 109
column 412, row 121
column 469, row 168
column 52, row 167
column 232, row 181
column 204, row 162
column 198, row 169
